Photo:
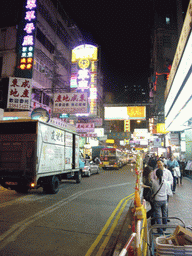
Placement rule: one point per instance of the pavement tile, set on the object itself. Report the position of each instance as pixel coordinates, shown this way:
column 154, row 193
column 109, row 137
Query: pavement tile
column 180, row 204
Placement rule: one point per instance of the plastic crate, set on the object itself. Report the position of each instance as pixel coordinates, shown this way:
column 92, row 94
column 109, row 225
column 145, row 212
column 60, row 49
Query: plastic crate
column 164, row 249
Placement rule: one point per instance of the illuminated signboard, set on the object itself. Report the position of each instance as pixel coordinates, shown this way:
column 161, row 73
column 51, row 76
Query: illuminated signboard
column 126, row 125
column 84, row 72
column 85, row 127
column 26, row 40
column 138, row 112
column 84, row 51
column 70, row 103
column 161, row 128
column 19, row 94
column 84, row 66
column 116, row 113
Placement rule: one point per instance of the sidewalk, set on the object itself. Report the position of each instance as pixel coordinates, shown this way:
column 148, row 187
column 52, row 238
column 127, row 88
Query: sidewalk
column 180, row 204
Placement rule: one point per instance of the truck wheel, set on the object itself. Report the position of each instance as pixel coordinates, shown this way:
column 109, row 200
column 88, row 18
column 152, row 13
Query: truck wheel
column 52, row 186
column 78, row 177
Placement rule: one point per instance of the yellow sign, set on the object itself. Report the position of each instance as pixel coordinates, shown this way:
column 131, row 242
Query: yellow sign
column 161, row 128
column 84, row 51
column 127, row 126
column 110, row 141
column 138, row 112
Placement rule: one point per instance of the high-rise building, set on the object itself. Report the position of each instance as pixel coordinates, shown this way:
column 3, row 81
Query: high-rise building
column 167, row 24
column 35, row 61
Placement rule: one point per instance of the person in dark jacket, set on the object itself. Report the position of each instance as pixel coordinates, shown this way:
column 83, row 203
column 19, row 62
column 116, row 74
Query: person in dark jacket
column 152, row 161
column 147, row 186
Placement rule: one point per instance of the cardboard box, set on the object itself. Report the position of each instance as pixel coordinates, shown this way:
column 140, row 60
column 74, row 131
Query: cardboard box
column 181, row 236
column 184, row 233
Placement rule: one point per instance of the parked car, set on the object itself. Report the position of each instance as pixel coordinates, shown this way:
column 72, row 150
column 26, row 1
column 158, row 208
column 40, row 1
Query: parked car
column 90, row 168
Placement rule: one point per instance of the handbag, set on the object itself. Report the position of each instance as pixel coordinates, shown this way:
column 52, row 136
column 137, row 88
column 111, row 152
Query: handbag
column 176, row 172
column 153, row 196
column 147, row 193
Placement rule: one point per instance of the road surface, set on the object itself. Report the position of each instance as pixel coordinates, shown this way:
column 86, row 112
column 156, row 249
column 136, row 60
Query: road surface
column 79, row 220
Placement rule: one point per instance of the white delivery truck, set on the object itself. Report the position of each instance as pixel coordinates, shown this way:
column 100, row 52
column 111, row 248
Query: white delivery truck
column 36, row 154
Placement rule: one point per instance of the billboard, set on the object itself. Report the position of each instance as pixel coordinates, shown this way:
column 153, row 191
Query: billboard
column 19, row 93
column 70, row 103
column 85, row 127
column 115, row 113
column 119, row 135
column 84, row 67
column 136, row 112
column 84, row 72
column 125, row 113
column 161, row 128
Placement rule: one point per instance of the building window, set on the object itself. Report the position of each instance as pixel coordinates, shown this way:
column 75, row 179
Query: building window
column 44, row 41
column 168, row 21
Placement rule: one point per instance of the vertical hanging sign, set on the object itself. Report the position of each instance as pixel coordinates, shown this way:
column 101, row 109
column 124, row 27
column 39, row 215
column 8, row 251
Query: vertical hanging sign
column 26, row 40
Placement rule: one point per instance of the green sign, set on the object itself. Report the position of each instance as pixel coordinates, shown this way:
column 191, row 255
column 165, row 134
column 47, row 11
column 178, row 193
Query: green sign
column 119, row 135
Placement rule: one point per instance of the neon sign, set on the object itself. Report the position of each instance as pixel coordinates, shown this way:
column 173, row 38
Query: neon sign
column 26, row 40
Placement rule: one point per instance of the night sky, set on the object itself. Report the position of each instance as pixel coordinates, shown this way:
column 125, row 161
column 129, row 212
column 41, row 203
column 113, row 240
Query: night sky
column 120, row 28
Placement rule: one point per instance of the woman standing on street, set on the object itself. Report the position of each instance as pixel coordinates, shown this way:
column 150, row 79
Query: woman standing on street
column 161, row 189
column 147, row 185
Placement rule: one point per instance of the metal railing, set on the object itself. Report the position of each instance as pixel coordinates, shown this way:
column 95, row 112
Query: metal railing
column 139, row 237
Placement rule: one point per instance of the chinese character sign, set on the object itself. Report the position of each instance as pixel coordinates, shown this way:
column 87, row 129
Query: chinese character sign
column 85, row 127
column 19, row 94
column 136, row 112
column 26, row 39
column 70, row 103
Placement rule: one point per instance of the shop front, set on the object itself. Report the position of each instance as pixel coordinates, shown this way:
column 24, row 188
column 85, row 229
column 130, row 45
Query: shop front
column 178, row 93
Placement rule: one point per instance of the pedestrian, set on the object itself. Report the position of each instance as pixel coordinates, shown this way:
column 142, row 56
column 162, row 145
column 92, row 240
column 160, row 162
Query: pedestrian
column 87, row 156
column 147, row 191
column 182, row 165
column 167, row 175
column 171, row 164
column 152, row 161
column 97, row 160
column 160, row 189
column 164, row 160
column 145, row 160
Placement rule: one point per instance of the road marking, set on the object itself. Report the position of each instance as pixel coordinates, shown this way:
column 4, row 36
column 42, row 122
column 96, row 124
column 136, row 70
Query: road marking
column 109, row 234
column 35, row 198
column 23, row 199
column 11, row 234
column 91, row 249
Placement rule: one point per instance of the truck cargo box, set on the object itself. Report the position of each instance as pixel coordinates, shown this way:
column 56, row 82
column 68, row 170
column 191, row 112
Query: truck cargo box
column 34, row 154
